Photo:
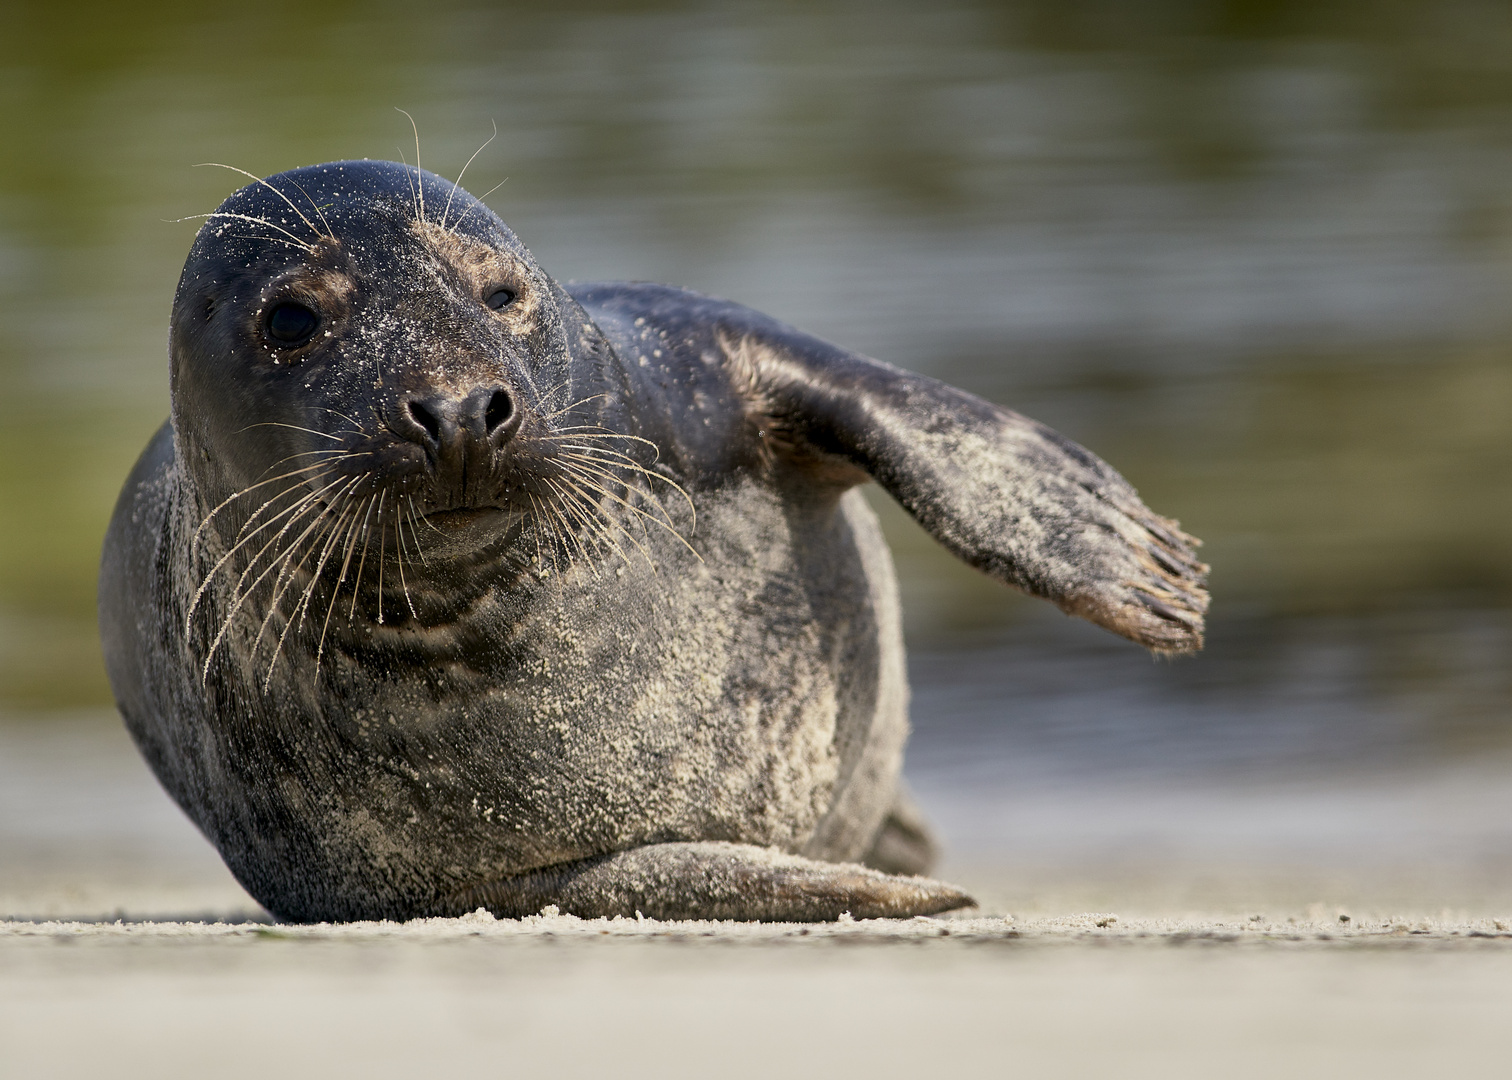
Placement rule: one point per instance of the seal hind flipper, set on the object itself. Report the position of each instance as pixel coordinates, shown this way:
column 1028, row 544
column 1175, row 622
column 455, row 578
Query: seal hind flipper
column 712, row 880
column 904, row 844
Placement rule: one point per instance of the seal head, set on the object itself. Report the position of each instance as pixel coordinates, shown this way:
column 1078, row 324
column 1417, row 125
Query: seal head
column 329, row 324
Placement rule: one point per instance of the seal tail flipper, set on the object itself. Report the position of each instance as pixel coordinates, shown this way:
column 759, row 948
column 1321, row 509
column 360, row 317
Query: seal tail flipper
column 1005, row 493
column 904, row 844
column 711, row 880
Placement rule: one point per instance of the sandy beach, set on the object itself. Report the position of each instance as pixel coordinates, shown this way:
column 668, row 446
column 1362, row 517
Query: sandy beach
column 126, row 949
column 1074, row 996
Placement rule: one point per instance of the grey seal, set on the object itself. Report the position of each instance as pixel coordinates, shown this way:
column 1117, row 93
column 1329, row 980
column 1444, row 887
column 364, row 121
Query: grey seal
column 448, row 586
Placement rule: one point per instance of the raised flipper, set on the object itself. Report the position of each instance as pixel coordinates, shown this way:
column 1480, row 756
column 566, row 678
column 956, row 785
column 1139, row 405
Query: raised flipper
column 1003, row 492
column 712, row 880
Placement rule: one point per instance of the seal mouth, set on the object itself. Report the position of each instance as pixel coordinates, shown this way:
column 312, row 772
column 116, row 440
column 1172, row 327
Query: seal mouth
column 464, row 517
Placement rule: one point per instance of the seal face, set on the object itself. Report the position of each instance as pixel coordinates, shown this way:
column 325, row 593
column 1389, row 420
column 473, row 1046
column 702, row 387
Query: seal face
column 446, row 585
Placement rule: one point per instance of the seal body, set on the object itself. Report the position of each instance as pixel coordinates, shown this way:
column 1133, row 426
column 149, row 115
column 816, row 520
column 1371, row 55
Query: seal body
column 446, row 585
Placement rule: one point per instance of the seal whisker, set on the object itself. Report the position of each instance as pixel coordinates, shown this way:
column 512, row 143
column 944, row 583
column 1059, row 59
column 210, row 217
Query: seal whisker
column 328, row 542
column 594, row 455
column 583, row 431
column 628, row 462
column 535, row 527
column 399, row 536
column 561, row 531
column 270, row 240
column 278, row 598
column 274, row 190
column 458, row 181
column 577, row 501
column 301, row 244
column 553, row 388
column 596, row 478
column 575, row 404
column 293, row 512
column 331, row 454
column 382, row 549
column 429, row 524
column 296, row 510
column 198, row 532
column 415, row 533
column 328, row 464
column 593, row 517
column 477, row 203
column 419, row 173
column 665, row 521
column 346, row 562
column 242, row 594
column 367, row 539
column 640, row 518
column 291, row 427
column 316, row 207
column 586, row 488
column 357, row 427
column 311, row 503
column 542, row 527
column 569, row 534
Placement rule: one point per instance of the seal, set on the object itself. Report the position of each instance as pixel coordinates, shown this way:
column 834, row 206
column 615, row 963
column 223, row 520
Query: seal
column 448, row 586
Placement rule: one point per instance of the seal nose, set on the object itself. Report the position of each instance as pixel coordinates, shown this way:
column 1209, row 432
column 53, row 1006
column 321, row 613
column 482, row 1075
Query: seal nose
column 442, row 423
column 459, row 434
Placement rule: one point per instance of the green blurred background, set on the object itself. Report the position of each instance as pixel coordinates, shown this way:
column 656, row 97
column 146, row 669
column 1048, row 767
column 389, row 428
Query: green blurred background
column 1257, row 254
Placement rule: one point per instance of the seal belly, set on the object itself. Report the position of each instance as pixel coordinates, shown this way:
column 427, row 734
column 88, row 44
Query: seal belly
column 755, row 696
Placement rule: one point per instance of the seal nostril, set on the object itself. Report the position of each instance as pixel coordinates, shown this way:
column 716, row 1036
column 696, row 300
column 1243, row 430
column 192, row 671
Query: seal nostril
column 500, row 409
column 426, row 419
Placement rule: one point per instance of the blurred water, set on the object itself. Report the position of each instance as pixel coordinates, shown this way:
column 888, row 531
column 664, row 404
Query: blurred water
column 1256, row 254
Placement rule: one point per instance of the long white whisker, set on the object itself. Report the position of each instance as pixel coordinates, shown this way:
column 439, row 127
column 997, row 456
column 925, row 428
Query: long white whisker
column 599, row 465
column 458, row 181
column 477, row 203
column 575, row 404
column 292, row 427
column 305, row 598
column 419, row 171
column 295, row 509
column 270, row 187
column 604, row 522
column 243, row 594
column 330, row 233
column 382, row 548
column 303, row 245
column 594, row 478
column 399, row 536
column 194, row 540
column 561, row 508
column 367, row 539
column 346, row 562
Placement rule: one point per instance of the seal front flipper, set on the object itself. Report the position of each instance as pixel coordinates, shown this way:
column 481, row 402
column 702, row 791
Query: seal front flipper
column 1005, row 493
column 711, row 880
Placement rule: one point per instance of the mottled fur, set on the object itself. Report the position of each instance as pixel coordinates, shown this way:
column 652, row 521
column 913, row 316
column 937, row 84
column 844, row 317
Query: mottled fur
column 585, row 610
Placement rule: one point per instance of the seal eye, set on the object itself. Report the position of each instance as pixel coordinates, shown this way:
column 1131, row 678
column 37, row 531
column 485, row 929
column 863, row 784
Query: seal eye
column 291, row 323
column 500, row 299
